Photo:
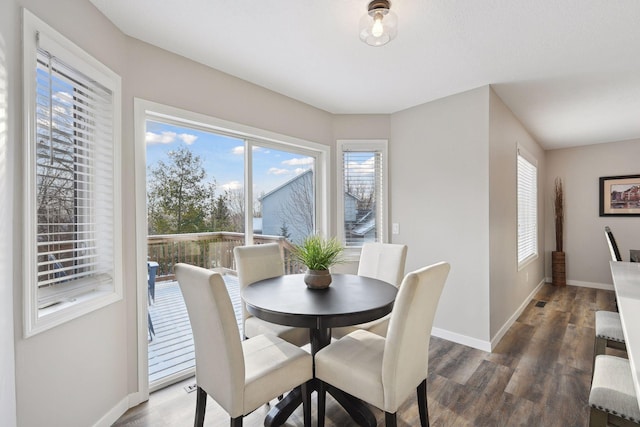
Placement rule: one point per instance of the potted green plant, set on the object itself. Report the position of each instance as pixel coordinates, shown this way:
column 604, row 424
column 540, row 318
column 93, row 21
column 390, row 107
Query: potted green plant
column 318, row 254
column 558, row 271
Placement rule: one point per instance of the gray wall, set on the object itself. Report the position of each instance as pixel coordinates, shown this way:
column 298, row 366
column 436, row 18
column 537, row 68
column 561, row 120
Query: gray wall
column 440, row 179
column 462, row 152
column 585, row 246
column 510, row 287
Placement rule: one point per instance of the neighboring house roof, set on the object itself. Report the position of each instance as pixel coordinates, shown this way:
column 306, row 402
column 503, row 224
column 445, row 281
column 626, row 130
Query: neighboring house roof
column 346, row 193
column 295, row 178
column 364, row 228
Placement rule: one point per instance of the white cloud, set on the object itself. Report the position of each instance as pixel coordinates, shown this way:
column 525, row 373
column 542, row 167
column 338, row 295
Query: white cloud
column 298, row 161
column 232, row 185
column 278, row 171
column 367, row 166
column 239, row 150
column 187, row 138
column 298, row 171
column 167, row 137
column 63, row 97
column 159, row 138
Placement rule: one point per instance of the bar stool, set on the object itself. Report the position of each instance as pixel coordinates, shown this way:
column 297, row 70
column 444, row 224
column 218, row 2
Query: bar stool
column 608, row 333
column 612, row 398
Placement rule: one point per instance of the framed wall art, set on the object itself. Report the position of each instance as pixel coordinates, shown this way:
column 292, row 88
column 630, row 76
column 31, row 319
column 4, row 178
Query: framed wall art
column 620, row 195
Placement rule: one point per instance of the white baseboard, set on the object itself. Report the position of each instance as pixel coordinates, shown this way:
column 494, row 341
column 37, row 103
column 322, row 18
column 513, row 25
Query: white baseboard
column 114, row 413
column 490, row 345
column 605, row 286
column 461, row 339
column 118, row 410
column 487, row 345
column 503, row 330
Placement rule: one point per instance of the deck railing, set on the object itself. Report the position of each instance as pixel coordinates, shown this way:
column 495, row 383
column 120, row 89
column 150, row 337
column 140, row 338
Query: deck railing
column 212, row 250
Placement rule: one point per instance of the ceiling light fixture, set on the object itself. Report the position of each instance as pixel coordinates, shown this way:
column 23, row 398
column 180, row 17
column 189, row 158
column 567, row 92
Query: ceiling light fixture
column 379, row 25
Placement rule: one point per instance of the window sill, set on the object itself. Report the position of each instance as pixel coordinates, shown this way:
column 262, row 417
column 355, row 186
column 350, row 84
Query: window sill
column 69, row 309
column 527, row 261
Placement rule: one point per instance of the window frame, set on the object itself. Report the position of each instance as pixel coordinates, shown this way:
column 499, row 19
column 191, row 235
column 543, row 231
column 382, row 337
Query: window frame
column 382, row 208
column 533, row 250
column 78, row 297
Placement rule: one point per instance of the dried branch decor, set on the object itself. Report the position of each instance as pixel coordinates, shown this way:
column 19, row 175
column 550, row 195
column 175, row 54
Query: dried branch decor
column 559, row 213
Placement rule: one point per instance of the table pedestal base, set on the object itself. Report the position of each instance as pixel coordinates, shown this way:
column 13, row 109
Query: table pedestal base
column 358, row 410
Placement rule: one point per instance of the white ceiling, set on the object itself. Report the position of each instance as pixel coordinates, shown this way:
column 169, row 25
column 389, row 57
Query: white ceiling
column 569, row 69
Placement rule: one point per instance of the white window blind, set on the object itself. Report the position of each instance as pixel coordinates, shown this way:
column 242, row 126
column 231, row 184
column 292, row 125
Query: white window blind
column 74, row 163
column 73, row 227
column 363, row 181
column 527, row 208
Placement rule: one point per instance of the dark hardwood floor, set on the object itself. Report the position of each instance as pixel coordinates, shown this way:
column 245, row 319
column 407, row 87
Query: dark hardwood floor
column 538, row 375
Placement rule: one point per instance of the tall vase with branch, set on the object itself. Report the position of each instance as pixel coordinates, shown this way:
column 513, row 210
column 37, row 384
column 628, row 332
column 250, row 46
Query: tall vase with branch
column 558, row 259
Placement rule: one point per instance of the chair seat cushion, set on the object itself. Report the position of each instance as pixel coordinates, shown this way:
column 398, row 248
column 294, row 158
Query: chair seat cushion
column 272, row 367
column 378, row 326
column 612, row 388
column 354, row 365
column 254, row 327
column 609, row 326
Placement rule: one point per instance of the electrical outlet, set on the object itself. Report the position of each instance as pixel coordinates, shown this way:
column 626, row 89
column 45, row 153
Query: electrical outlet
column 395, row 228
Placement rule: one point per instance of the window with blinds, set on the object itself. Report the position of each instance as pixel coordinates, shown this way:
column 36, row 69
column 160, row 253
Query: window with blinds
column 527, row 208
column 362, row 192
column 73, row 232
column 73, row 166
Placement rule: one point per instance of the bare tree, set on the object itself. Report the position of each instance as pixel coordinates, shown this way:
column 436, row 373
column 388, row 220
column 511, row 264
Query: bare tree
column 364, row 193
column 235, row 202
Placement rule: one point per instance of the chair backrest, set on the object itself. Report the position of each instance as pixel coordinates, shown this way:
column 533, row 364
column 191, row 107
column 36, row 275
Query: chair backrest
column 406, row 353
column 220, row 366
column 255, row 263
column 152, row 270
column 384, row 261
column 613, row 247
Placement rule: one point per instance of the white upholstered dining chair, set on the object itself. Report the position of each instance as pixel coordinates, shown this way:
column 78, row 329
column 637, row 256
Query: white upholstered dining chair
column 384, row 371
column 612, row 398
column 260, row 262
column 383, row 261
column 240, row 375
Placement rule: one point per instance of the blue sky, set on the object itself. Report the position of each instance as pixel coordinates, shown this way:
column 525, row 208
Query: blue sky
column 223, row 158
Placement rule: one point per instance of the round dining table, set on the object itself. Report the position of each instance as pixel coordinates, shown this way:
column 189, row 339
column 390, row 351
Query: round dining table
column 349, row 300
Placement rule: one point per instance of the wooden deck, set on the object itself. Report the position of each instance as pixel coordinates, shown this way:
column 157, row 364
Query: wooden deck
column 171, row 349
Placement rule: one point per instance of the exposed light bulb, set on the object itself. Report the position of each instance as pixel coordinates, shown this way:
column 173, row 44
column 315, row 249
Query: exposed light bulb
column 377, row 30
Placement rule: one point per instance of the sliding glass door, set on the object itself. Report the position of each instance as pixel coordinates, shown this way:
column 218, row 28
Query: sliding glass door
column 208, row 191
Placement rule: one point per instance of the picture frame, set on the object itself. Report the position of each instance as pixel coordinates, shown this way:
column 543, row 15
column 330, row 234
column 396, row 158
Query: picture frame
column 620, row 195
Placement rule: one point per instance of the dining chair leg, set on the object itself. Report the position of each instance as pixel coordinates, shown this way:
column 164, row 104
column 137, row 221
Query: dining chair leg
column 390, row 419
column 306, row 403
column 201, row 405
column 599, row 346
column 423, row 409
column 236, row 422
column 597, row 418
column 322, row 400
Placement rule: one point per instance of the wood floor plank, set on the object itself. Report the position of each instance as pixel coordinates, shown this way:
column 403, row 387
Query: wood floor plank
column 538, row 375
